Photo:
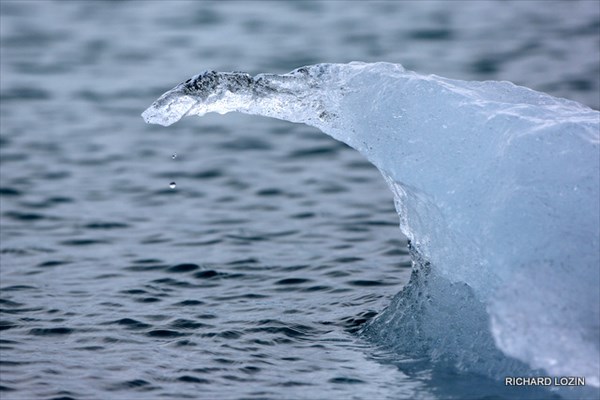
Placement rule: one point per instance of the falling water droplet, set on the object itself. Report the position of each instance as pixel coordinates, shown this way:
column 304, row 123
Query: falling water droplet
column 173, row 185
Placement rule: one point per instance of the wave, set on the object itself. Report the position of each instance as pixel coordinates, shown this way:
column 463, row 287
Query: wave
column 497, row 189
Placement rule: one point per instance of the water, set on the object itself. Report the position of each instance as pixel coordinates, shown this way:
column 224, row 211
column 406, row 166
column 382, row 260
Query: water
column 252, row 278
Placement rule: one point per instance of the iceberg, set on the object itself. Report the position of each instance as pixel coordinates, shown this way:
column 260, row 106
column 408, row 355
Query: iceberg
column 496, row 187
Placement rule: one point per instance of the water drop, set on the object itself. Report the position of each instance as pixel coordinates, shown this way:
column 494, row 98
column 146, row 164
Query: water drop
column 172, row 185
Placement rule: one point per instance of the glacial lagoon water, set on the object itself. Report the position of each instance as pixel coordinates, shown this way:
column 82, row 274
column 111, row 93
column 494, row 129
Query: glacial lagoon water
column 254, row 276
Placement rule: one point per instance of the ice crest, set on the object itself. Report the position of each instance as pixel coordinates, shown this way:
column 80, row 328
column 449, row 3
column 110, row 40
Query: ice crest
column 496, row 185
column 281, row 96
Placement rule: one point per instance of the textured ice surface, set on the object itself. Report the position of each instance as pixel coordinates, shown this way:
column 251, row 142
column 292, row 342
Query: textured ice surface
column 496, row 186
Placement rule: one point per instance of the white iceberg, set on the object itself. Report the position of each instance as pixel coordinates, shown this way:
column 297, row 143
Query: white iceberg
column 496, row 186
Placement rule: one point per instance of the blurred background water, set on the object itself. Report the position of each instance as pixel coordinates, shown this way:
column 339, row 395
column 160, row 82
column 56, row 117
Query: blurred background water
column 252, row 276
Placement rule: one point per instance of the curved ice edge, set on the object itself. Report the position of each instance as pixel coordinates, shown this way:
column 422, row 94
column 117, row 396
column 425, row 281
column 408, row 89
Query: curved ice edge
column 496, row 185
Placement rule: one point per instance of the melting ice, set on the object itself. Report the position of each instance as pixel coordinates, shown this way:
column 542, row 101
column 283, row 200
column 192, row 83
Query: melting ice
column 496, row 186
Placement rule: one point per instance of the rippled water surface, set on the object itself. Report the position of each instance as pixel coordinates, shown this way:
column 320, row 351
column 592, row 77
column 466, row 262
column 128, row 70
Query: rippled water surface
column 252, row 277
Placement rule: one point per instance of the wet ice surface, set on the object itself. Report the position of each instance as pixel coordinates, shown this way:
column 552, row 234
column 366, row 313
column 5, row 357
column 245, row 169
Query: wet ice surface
column 250, row 278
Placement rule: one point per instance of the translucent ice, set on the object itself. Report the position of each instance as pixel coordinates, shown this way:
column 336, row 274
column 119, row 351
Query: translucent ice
column 496, row 186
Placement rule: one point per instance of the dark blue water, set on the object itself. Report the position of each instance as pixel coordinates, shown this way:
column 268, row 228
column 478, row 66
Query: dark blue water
column 253, row 276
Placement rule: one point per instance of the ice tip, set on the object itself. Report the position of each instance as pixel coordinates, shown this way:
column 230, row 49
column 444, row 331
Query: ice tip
column 152, row 116
column 169, row 108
